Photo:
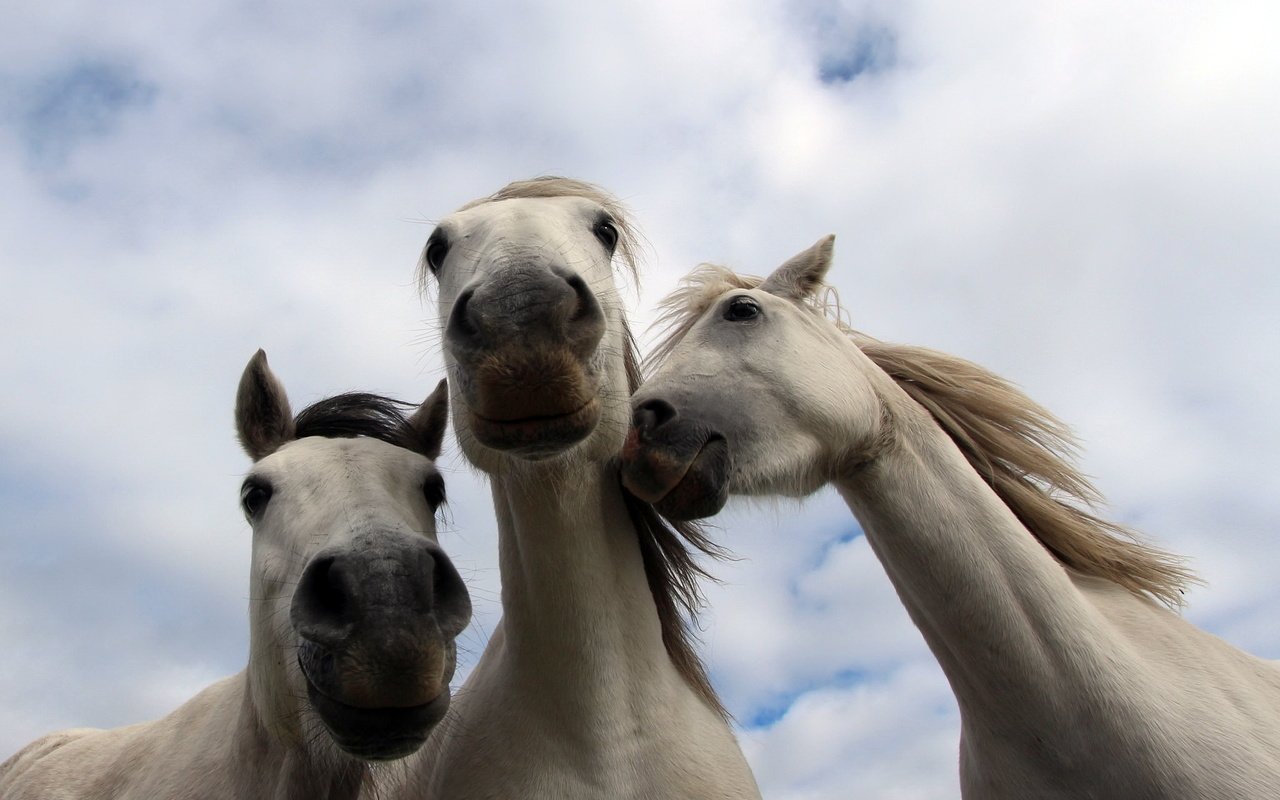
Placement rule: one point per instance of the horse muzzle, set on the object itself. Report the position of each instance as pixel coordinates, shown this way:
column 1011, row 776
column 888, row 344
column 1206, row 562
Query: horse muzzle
column 680, row 466
column 376, row 622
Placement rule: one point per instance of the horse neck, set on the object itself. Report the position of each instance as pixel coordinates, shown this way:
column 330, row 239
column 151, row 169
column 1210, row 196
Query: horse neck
column 1004, row 619
column 270, row 766
column 579, row 620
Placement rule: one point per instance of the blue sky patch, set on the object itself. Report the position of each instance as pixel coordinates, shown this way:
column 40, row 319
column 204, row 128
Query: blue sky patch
column 871, row 51
column 766, row 716
column 85, row 100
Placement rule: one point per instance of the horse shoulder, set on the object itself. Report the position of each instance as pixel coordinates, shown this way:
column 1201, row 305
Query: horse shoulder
column 1211, row 701
column 23, row 774
column 1180, row 653
column 76, row 764
column 172, row 757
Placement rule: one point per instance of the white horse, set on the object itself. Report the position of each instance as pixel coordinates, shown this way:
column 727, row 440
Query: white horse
column 589, row 686
column 1073, row 680
column 353, row 614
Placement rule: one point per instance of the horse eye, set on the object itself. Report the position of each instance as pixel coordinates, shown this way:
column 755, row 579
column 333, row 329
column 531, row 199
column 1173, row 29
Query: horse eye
column 254, row 496
column 437, row 251
column 741, row 309
column 607, row 232
column 433, row 491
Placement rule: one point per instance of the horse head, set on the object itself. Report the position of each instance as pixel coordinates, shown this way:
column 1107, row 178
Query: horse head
column 355, row 607
column 755, row 392
column 535, row 335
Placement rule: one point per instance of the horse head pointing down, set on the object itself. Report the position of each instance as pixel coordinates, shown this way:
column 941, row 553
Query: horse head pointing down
column 342, row 503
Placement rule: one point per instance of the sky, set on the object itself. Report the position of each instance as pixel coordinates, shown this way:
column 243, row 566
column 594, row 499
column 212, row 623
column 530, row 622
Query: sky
column 1082, row 195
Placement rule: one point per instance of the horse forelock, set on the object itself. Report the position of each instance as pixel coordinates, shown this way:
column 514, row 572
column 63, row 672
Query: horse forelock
column 1017, row 446
column 680, row 310
column 357, row 414
column 631, row 243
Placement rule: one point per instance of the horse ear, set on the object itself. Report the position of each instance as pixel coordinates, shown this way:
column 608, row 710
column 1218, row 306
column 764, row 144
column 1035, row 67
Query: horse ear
column 264, row 420
column 803, row 273
column 430, row 420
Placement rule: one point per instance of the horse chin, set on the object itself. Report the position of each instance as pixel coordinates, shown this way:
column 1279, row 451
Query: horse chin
column 680, row 488
column 377, row 734
column 359, row 727
column 536, row 438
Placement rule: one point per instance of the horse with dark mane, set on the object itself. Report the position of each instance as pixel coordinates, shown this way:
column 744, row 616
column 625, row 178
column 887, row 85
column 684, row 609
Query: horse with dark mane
column 353, row 614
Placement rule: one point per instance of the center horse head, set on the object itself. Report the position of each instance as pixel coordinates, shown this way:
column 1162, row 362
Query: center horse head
column 355, row 607
column 535, row 334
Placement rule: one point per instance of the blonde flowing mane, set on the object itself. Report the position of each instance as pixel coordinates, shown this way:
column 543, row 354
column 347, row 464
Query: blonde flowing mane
column 1018, row 447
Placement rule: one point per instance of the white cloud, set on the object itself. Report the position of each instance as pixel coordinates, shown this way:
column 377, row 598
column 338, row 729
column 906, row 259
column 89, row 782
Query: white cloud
column 1079, row 195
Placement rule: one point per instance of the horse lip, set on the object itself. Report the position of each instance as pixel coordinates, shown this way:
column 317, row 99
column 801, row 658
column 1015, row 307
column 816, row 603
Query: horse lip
column 536, row 419
column 648, row 472
column 377, row 733
column 537, row 437
column 652, row 474
column 704, row 488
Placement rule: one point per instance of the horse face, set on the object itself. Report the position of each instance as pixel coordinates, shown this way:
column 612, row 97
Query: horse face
column 533, row 329
column 760, row 396
column 352, row 595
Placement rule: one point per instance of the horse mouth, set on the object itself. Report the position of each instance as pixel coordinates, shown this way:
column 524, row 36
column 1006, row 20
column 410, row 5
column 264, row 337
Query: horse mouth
column 377, row 734
column 539, row 436
column 680, row 487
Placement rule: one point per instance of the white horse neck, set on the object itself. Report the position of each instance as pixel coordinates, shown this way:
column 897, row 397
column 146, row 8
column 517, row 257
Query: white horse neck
column 573, row 581
column 213, row 747
column 985, row 594
column 1068, row 686
column 575, row 695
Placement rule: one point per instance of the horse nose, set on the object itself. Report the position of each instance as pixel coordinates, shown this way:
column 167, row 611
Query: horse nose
column 391, row 579
column 523, row 303
column 323, row 604
column 652, row 414
column 461, row 325
column 450, row 598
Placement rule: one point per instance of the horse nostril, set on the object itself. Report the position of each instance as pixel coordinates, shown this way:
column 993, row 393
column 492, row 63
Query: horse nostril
column 653, row 414
column 450, row 599
column 585, row 303
column 460, row 324
column 322, row 602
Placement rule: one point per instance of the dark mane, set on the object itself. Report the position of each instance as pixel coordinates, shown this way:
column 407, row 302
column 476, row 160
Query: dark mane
column 354, row 414
column 672, row 570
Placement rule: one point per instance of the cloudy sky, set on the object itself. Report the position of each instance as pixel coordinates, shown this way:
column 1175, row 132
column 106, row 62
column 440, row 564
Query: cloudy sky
column 1082, row 195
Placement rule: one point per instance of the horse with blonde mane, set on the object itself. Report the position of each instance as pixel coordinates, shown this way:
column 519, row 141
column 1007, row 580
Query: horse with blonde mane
column 1073, row 675
column 354, row 609
column 589, row 686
